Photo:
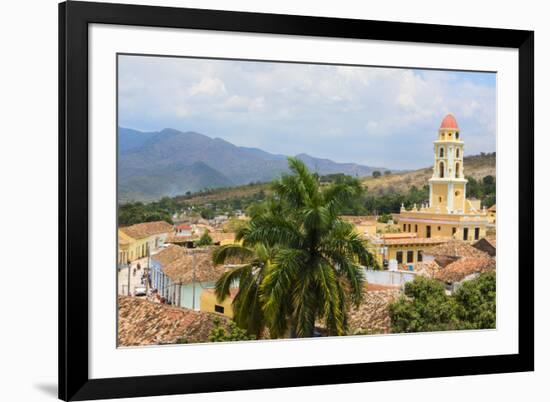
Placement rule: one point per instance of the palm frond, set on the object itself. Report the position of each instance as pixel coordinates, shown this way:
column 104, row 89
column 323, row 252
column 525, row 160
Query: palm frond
column 231, row 251
column 230, row 279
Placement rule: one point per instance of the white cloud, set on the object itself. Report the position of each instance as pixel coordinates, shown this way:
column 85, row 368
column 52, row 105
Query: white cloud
column 208, row 86
column 338, row 112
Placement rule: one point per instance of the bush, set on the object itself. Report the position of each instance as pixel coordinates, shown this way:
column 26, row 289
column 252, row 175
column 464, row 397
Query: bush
column 205, row 240
column 426, row 307
column 385, row 218
column 232, row 333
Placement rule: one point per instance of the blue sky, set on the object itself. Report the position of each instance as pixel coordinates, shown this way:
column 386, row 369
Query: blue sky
column 374, row 116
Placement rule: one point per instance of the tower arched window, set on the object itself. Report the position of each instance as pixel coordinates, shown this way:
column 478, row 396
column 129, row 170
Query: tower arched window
column 456, row 135
column 441, row 152
column 458, row 153
column 457, row 170
column 441, row 169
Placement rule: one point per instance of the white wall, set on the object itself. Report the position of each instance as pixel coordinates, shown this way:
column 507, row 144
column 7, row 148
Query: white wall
column 28, row 166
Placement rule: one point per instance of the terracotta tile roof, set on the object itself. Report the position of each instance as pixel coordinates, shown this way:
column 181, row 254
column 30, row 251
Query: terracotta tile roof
column 181, row 239
column 372, row 287
column 455, row 248
column 184, row 226
column 359, row 218
column 169, row 254
column 146, row 229
column 221, row 236
column 181, row 270
column 427, row 268
column 141, row 322
column 372, row 316
column 493, row 208
column 463, row 267
column 492, row 241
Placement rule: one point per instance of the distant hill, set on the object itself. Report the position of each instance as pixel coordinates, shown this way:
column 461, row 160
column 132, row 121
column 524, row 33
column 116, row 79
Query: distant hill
column 170, row 162
column 477, row 166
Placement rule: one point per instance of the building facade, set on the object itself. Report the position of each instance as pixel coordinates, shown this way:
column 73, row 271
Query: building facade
column 448, row 213
column 135, row 241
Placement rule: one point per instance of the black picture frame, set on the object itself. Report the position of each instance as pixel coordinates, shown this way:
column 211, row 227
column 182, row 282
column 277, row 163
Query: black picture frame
column 74, row 18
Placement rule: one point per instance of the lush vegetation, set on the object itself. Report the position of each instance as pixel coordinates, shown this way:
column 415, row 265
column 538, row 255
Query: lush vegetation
column 138, row 212
column 205, row 240
column 362, row 202
column 383, row 195
column 426, row 307
column 484, row 190
column 301, row 259
column 232, row 333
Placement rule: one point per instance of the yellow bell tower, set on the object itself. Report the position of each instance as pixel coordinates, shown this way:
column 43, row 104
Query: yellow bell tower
column 448, row 185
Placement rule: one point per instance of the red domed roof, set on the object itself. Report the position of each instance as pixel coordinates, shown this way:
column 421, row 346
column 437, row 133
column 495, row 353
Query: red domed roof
column 449, row 121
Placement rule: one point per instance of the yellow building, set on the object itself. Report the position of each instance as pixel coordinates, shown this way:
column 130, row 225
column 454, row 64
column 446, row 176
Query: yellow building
column 364, row 225
column 493, row 214
column 406, row 249
column 130, row 249
column 210, row 303
column 449, row 213
column 135, row 240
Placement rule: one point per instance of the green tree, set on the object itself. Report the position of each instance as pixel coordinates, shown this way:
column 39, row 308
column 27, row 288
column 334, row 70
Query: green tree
column 232, row 333
column 376, row 173
column 426, row 307
column 315, row 272
column 385, row 218
column 205, row 240
column 207, row 213
column 476, row 301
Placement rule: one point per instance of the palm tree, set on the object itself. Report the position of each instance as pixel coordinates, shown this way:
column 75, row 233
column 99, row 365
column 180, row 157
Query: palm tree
column 314, row 271
column 248, row 275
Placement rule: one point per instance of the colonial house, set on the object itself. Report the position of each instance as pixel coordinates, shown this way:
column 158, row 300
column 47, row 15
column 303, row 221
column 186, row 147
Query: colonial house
column 183, row 229
column 458, row 261
column 448, row 213
column 463, row 269
column 135, row 241
column 222, row 238
column 179, row 275
column 402, row 250
column 451, row 251
column 364, row 225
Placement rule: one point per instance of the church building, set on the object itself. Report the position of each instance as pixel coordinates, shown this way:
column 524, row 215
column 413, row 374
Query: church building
column 448, row 213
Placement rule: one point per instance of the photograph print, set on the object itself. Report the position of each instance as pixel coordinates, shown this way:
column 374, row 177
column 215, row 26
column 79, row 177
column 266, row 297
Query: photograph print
column 262, row 200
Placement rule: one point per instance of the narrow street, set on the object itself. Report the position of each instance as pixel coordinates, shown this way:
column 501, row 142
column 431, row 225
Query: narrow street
column 136, row 277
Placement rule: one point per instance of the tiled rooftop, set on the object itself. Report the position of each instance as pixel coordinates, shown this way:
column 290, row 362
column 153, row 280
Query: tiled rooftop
column 222, row 237
column 455, row 248
column 146, row 229
column 141, row 322
column 181, row 269
column 169, row 254
column 373, row 315
column 427, row 268
column 463, row 267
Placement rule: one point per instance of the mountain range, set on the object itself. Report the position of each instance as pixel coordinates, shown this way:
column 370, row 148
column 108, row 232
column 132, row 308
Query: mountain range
column 170, row 162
